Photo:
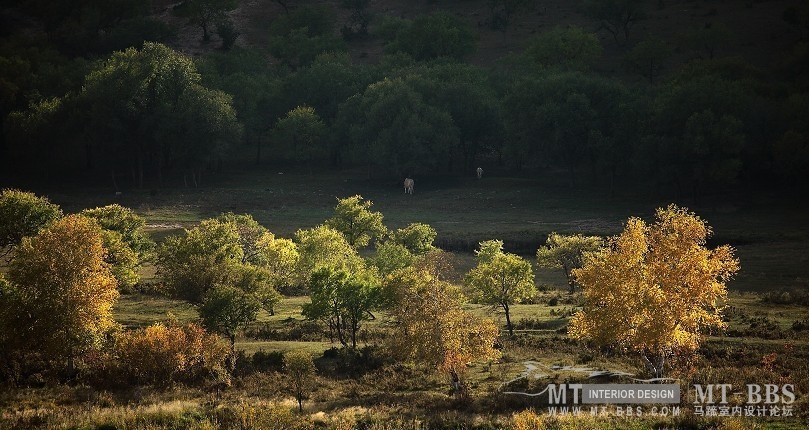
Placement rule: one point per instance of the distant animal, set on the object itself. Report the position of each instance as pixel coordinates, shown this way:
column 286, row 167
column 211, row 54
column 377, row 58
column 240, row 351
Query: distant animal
column 408, row 186
column 479, row 171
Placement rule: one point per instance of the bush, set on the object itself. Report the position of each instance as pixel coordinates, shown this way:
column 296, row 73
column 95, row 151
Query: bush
column 161, row 355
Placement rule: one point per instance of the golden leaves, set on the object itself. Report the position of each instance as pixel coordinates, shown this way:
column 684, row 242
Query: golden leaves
column 654, row 287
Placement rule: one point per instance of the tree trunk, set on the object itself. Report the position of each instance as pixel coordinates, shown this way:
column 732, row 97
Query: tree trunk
column 508, row 320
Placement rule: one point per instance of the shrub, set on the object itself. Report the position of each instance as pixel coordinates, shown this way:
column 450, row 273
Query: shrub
column 162, row 355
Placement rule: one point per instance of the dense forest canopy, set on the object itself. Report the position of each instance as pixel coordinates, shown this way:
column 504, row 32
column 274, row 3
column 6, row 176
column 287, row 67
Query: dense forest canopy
column 104, row 90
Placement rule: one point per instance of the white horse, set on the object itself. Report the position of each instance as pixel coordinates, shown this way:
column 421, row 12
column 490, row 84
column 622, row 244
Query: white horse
column 408, row 186
column 479, row 171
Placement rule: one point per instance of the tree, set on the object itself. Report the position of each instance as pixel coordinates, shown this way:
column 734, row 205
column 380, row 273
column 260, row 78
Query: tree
column 226, row 310
column 432, row 328
column 432, row 36
column 567, row 48
column 390, row 126
column 299, row 36
column 146, row 111
column 655, row 289
column 301, row 369
column 324, row 246
column 206, row 13
column 466, row 93
column 23, row 214
column 207, row 255
column 281, row 257
column 359, row 19
column 565, row 119
column 615, row 16
column 125, row 222
column 260, row 283
column 301, row 132
column 500, row 279
column 250, row 233
column 343, row 300
column 416, row 237
column 648, row 57
column 713, row 146
column 126, row 243
column 353, row 217
column 66, row 291
column 566, row 252
column 391, row 256
column 226, row 30
column 502, row 11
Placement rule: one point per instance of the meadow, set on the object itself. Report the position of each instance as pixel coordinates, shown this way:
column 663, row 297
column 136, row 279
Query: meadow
column 768, row 313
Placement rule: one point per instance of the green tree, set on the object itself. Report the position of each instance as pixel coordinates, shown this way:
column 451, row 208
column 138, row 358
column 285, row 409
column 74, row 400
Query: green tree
column 500, row 279
column 66, row 290
column 126, row 243
column 324, row 246
column 207, row 255
column 390, row 126
column 655, row 289
column 353, row 217
column 206, row 13
column 568, row 48
column 440, row 34
column 302, row 133
column 615, row 16
column 565, row 119
column 227, row 310
column 23, row 214
column 299, row 36
column 391, row 256
column 125, row 222
column 466, row 93
column 281, row 258
column 301, row 369
column 146, row 111
column 648, row 57
column 566, row 252
column 343, row 300
column 416, row 237
column 250, row 235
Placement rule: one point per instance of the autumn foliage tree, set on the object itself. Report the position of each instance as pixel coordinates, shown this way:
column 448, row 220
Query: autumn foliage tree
column 65, row 290
column 432, row 328
column 500, row 279
column 655, row 289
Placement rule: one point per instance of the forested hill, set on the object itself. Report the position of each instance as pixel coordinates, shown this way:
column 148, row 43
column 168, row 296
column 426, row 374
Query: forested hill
column 686, row 97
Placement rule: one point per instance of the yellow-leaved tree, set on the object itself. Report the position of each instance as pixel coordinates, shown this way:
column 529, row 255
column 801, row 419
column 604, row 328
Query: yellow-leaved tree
column 655, row 289
column 433, row 328
column 64, row 289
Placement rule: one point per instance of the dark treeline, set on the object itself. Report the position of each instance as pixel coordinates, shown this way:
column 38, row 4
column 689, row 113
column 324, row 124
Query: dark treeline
column 86, row 94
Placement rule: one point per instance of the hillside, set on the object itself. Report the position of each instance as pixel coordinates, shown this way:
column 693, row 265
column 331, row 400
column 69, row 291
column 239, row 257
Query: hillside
column 759, row 33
